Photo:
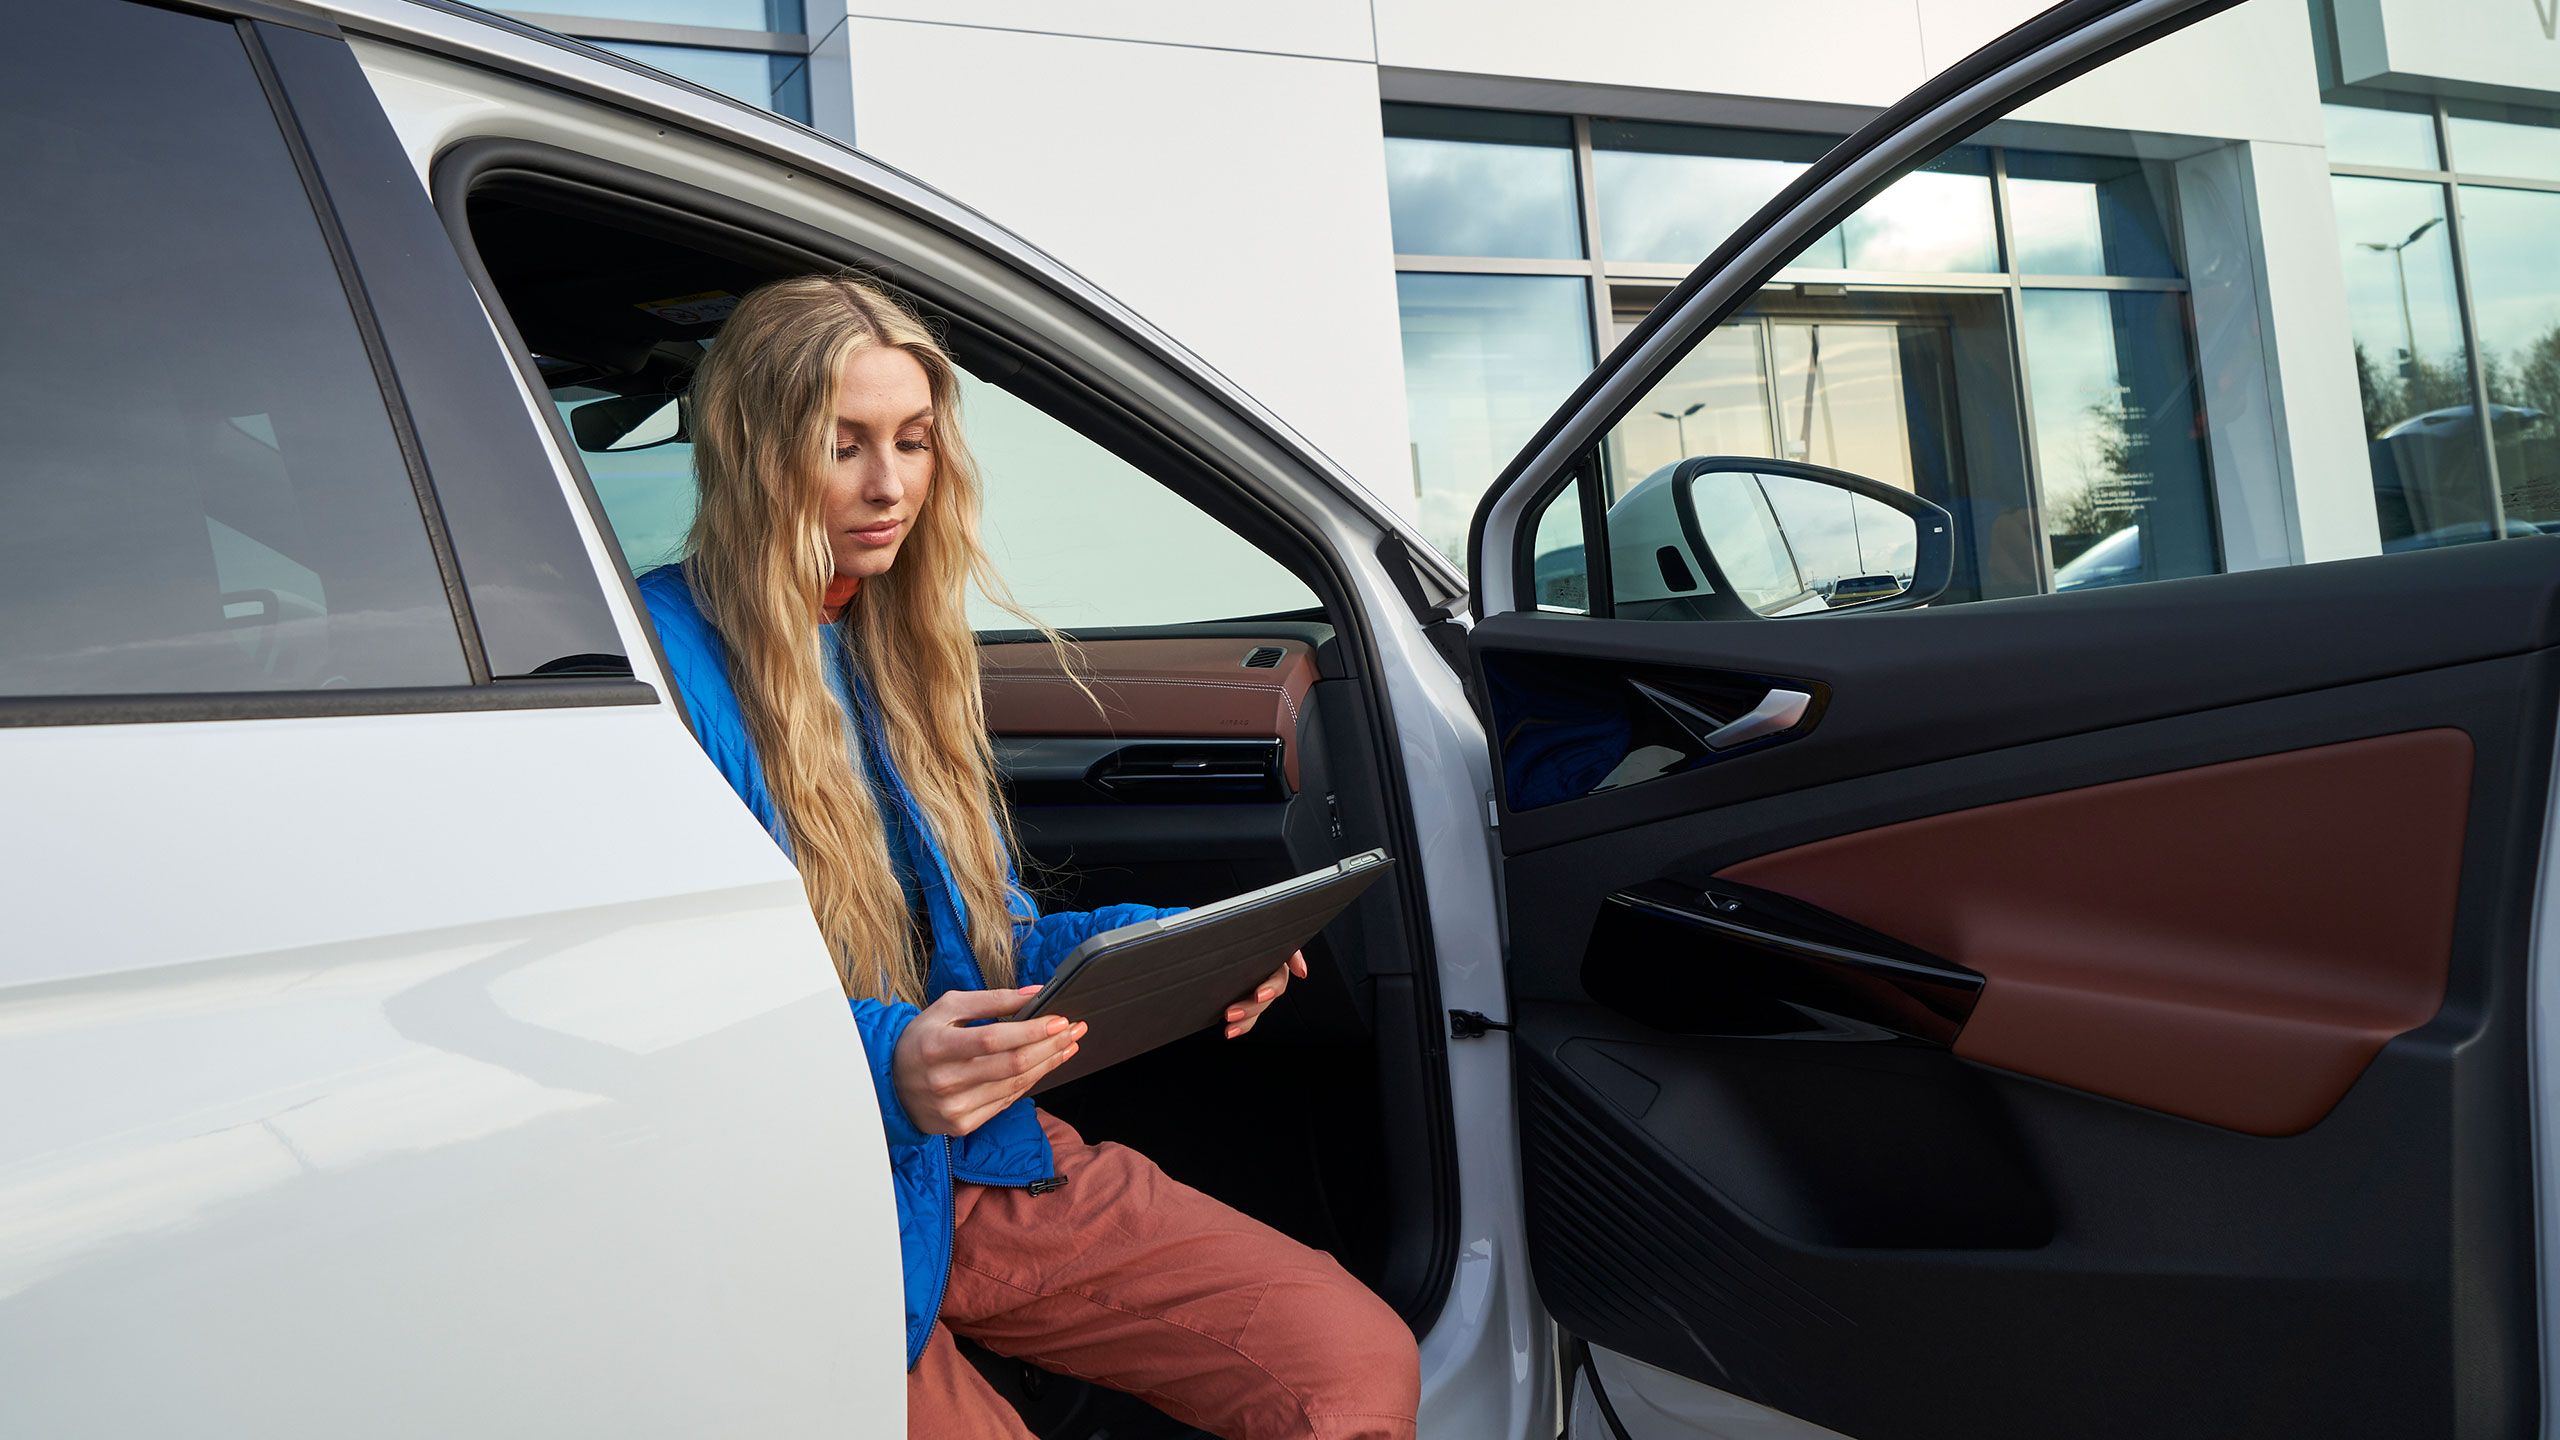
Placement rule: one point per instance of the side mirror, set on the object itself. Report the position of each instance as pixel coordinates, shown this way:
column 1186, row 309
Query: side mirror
column 629, row 422
column 1729, row 537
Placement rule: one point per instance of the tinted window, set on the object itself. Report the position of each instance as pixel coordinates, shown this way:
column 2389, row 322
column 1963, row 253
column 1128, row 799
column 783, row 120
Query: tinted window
column 199, row 486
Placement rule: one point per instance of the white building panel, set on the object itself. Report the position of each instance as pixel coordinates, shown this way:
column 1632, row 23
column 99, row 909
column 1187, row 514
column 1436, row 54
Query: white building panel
column 1237, row 200
column 1859, row 52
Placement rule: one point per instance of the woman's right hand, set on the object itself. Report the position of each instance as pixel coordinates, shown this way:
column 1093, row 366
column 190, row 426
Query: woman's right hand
column 954, row 1076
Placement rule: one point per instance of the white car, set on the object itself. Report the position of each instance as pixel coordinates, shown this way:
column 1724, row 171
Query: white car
column 2082, row 1014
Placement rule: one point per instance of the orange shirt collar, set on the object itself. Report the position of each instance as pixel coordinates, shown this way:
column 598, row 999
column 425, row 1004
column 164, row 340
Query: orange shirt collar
column 839, row 594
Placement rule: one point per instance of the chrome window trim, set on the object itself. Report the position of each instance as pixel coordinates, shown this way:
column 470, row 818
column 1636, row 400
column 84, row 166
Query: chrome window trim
column 651, row 32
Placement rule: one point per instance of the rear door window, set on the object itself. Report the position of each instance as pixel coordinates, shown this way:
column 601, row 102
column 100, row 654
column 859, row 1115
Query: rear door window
column 200, row 488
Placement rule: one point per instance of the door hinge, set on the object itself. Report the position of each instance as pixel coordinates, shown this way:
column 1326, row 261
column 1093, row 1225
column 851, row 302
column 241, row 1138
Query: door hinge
column 1472, row 1024
column 1492, row 812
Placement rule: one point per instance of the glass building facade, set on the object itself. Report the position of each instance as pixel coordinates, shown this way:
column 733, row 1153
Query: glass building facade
column 1978, row 332
column 2447, row 211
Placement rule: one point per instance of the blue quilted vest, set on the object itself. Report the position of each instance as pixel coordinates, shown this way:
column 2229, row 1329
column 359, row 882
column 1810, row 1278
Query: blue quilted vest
column 1008, row 1149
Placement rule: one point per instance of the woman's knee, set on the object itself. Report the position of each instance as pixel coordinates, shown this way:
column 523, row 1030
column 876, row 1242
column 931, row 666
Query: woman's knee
column 1338, row 1347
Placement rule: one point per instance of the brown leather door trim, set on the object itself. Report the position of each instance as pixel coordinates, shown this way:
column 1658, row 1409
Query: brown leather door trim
column 2231, row 943
column 1152, row 688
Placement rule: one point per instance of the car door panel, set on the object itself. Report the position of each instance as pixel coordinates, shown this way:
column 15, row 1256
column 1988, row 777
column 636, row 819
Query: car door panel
column 410, row 1069
column 2161, row 940
column 1937, row 683
column 2239, row 1114
column 406, row 1055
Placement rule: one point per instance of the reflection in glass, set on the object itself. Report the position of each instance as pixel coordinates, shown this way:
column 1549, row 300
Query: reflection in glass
column 2430, row 473
column 2503, row 140
column 1486, row 358
column 1468, row 182
column 1847, row 547
column 203, row 491
column 1559, row 572
column 2381, row 131
column 1743, row 535
column 1937, row 218
column 1784, row 545
column 2089, row 215
column 2112, row 393
column 1668, row 194
column 773, row 15
column 2516, row 298
column 1714, row 402
column 1840, row 398
column 778, row 83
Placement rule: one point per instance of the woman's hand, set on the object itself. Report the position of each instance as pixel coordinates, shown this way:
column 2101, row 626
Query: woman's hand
column 954, row 1076
column 1242, row 1014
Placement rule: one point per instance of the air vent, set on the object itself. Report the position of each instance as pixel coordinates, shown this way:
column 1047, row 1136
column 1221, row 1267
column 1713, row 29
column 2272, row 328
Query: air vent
column 1191, row 771
column 1264, row 657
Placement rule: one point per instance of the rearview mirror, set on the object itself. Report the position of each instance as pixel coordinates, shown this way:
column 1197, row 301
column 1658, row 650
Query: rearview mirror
column 1726, row 537
column 628, row 422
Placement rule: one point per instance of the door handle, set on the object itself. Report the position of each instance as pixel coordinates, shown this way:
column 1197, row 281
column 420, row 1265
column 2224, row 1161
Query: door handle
column 1777, row 712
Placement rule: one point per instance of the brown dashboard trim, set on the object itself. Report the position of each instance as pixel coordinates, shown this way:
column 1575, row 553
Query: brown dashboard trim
column 1153, row 688
column 2231, row 943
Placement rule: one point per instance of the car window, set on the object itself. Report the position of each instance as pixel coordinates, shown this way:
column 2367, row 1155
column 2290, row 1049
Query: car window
column 2145, row 327
column 200, row 489
column 1086, row 539
column 1082, row 537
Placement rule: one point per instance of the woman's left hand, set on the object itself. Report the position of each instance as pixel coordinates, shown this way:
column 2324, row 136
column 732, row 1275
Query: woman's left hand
column 1242, row 1014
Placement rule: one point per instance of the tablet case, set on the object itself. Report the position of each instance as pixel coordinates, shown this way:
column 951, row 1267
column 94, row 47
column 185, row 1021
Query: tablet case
column 1154, row 982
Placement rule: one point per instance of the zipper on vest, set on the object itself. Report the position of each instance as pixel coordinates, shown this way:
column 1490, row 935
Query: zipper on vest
column 1044, row 1185
column 950, row 1198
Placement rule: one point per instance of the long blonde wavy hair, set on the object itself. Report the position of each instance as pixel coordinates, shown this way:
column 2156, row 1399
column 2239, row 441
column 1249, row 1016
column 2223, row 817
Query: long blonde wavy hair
column 763, row 416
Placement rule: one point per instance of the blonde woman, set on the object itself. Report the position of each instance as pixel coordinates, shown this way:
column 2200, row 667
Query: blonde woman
column 816, row 631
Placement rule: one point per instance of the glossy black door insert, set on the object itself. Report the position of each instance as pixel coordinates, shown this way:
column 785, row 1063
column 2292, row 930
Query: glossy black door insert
column 1728, row 959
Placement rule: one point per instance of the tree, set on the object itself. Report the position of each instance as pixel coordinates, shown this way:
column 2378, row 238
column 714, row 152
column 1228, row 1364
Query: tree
column 2417, row 387
column 2115, row 478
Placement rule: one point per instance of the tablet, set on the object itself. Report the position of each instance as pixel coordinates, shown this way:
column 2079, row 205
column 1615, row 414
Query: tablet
column 1154, row 982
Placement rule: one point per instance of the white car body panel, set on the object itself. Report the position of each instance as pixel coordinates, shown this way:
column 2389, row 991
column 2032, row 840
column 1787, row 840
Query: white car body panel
column 463, row 1073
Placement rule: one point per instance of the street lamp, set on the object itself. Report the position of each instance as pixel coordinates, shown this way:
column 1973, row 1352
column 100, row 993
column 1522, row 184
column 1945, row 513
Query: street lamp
column 1681, row 423
column 2400, row 265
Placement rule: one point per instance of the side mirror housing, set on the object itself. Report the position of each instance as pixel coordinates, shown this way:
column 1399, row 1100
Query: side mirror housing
column 1733, row 537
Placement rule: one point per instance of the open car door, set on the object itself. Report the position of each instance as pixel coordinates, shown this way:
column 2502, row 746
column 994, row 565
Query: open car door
column 2002, row 943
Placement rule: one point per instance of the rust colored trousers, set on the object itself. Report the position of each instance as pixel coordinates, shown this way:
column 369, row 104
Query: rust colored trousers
column 1128, row 1278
